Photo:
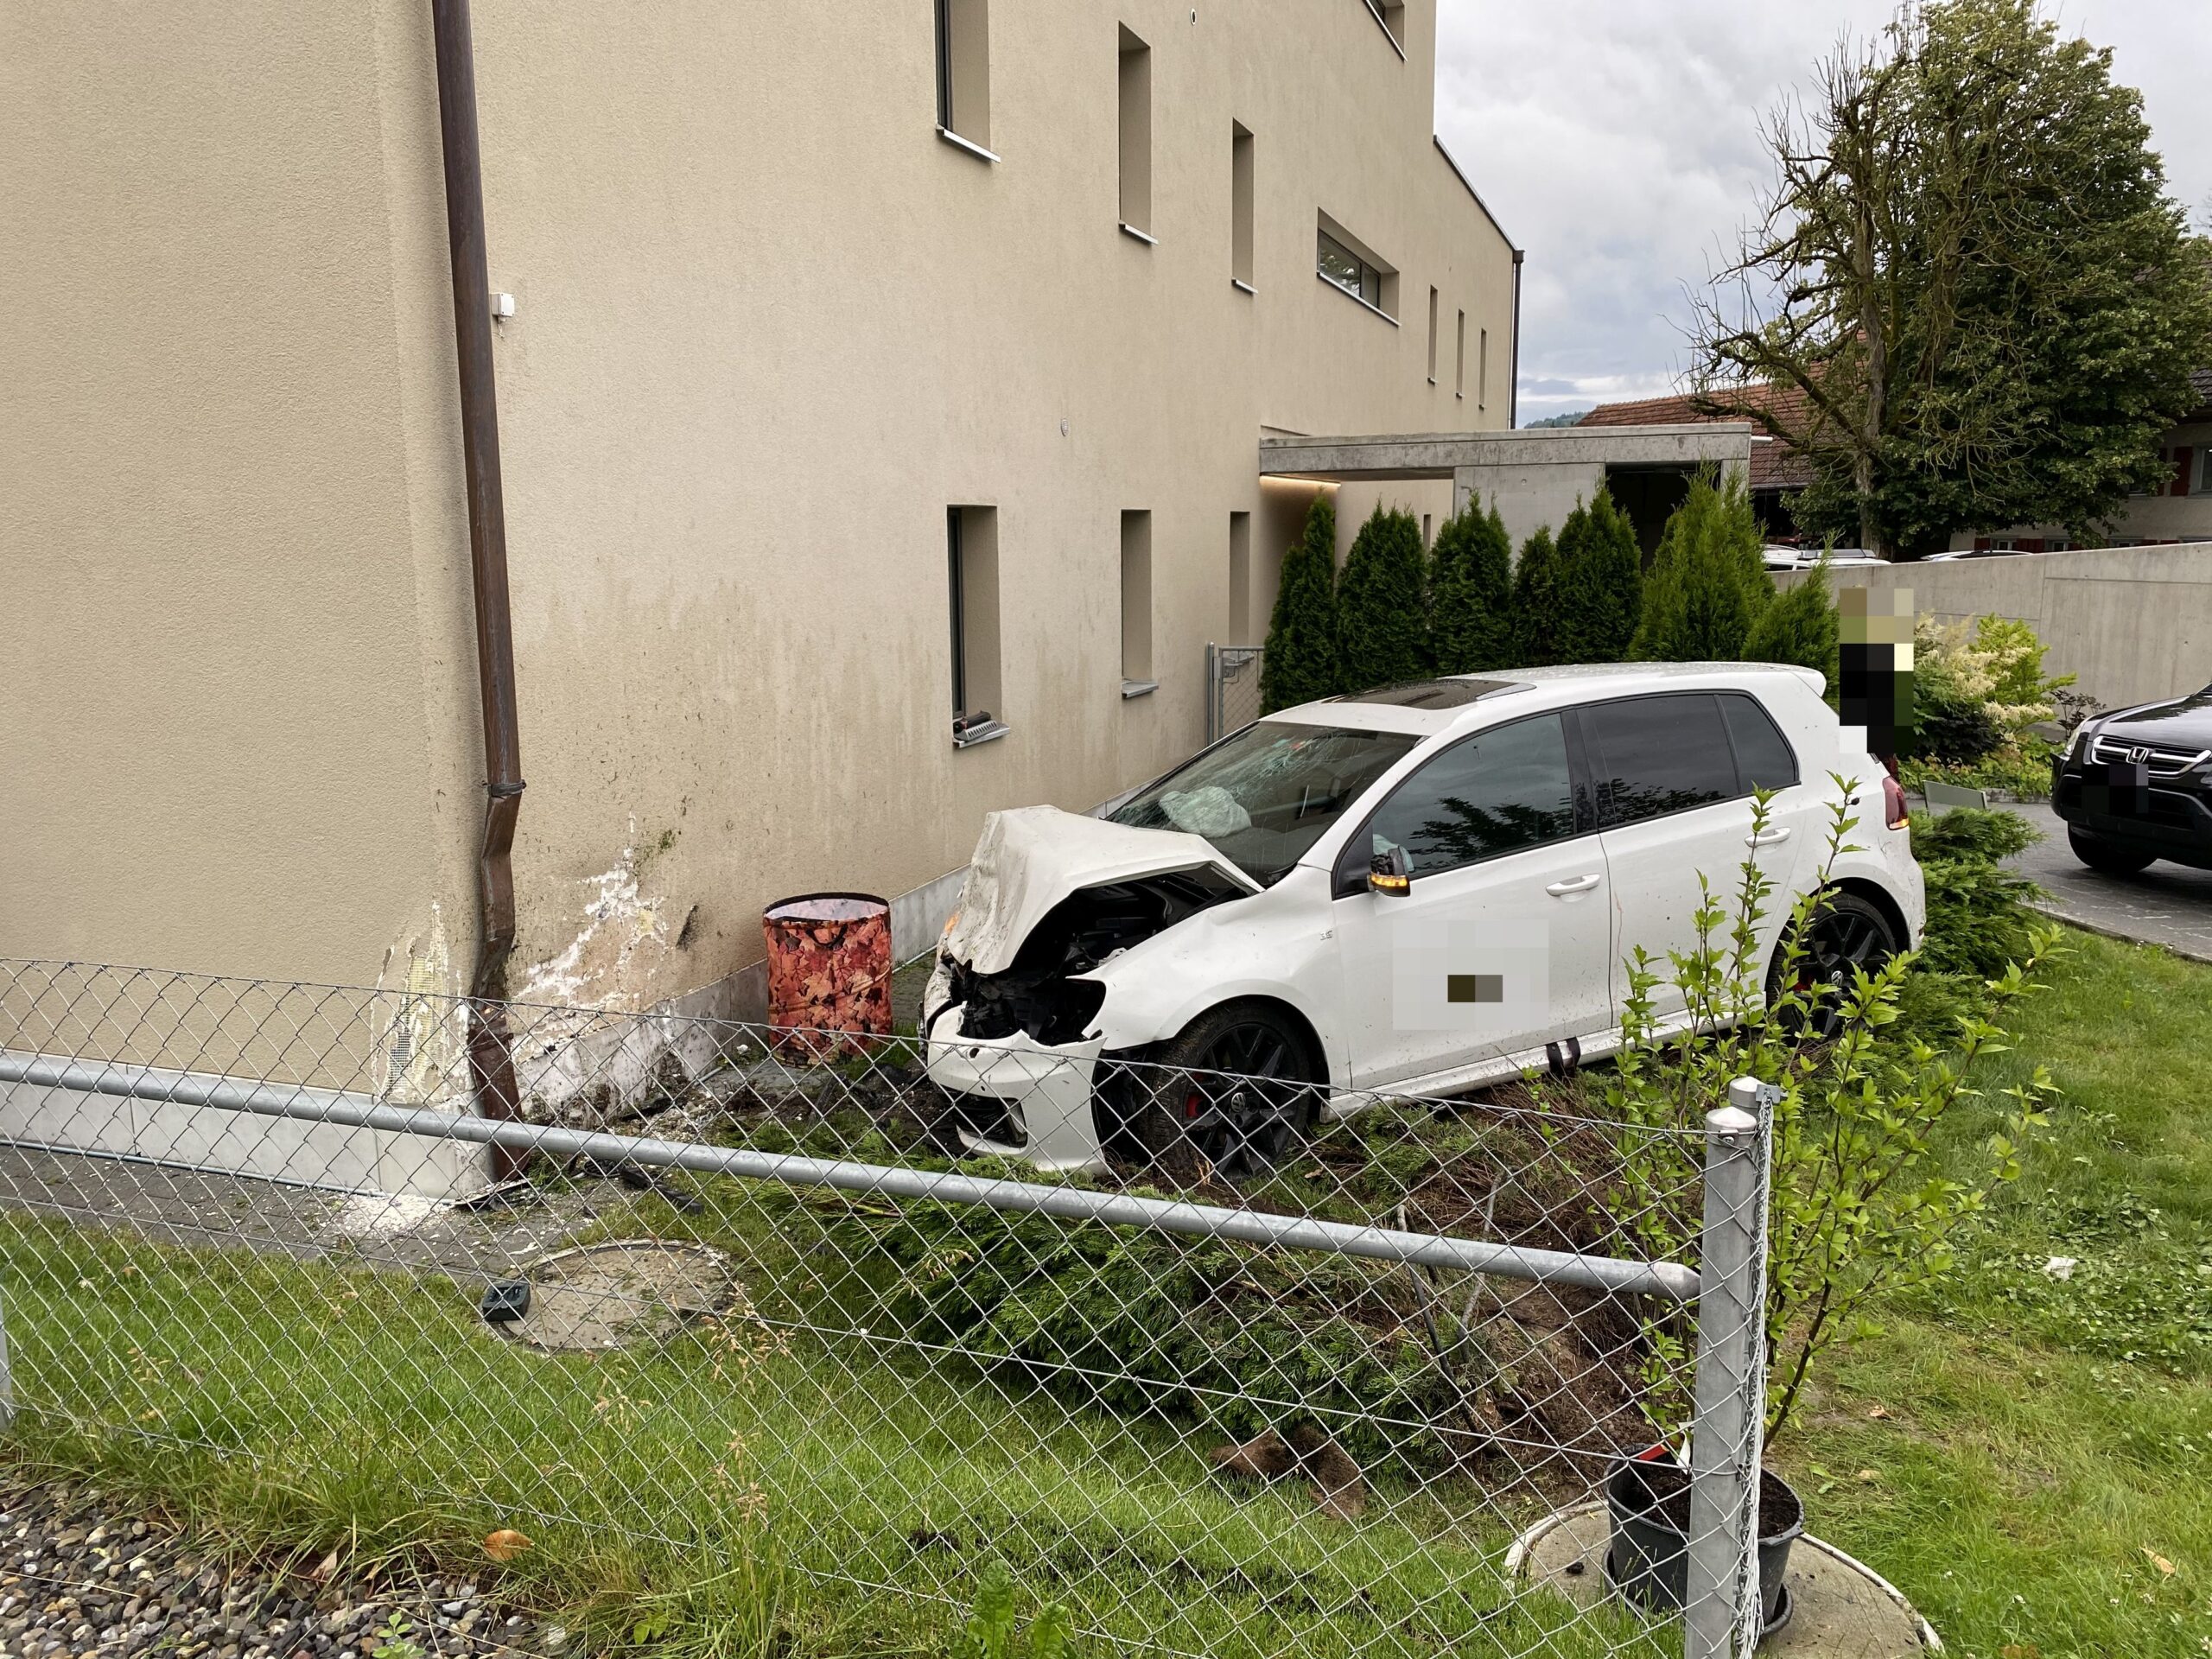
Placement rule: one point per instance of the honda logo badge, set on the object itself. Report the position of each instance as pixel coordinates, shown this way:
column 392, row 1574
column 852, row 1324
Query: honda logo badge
column 2137, row 755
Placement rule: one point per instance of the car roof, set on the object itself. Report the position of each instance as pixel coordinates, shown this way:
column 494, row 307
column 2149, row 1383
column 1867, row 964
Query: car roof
column 1509, row 692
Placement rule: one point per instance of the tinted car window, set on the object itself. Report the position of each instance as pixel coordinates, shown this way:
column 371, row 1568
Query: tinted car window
column 1763, row 757
column 1661, row 754
column 1494, row 794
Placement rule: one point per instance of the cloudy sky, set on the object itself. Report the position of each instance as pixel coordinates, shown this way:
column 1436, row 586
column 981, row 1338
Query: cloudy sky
column 1619, row 144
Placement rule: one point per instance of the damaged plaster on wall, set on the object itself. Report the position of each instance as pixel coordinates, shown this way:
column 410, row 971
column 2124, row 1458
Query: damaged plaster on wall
column 422, row 1060
column 595, row 1032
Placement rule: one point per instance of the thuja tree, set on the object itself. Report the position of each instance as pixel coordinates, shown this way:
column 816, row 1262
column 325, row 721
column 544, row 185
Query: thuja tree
column 1708, row 586
column 1471, row 593
column 1301, row 662
column 1799, row 627
column 1861, row 1202
column 1601, row 583
column 1382, row 603
column 1535, row 602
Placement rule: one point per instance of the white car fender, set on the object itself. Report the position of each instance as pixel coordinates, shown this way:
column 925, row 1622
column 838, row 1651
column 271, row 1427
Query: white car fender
column 1277, row 945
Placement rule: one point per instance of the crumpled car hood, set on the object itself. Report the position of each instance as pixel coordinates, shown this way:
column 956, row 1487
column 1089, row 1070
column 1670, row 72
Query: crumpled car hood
column 1032, row 857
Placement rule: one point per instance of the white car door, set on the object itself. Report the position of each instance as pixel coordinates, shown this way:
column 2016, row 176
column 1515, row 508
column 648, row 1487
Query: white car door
column 1501, row 943
column 1676, row 806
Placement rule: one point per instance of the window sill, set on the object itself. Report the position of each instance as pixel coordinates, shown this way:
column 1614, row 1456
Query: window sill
column 1242, row 286
column 1432, row 379
column 1338, row 287
column 1133, row 689
column 967, row 144
column 1149, row 241
column 989, row 733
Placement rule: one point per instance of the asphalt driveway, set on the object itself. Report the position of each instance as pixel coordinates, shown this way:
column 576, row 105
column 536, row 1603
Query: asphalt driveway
column 2166, row 903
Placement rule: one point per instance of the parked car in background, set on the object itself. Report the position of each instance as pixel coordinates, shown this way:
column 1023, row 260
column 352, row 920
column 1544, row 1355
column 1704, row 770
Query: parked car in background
column 2135, row 786
column 1804, row 558
column 1420, row 889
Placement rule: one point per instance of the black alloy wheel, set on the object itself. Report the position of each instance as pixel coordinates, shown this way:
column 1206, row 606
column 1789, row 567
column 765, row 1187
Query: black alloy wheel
column 2112, row 857
column 1237, row 1089
column 1847, row 933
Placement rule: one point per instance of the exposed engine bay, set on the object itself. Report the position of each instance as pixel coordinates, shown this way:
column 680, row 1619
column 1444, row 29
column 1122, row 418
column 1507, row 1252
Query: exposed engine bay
column 1038, row 994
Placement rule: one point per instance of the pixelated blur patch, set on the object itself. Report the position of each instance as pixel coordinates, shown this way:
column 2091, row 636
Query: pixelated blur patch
column 1874, row 667
column 2120, row 788
column 1474, row 988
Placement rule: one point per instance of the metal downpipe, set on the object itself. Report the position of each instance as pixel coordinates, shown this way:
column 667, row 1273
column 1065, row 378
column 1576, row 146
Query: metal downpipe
column 491, row 1065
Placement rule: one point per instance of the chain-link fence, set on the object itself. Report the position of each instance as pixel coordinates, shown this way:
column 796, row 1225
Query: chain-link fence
column 1232, row 687
column 1276, row 1371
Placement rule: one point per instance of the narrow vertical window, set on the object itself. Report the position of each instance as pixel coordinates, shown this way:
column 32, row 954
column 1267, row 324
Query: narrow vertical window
column 1136, row 605
column 1136, row 135
column 1431, row 336
column 1481, row 379
column 1428, row 530
column 1240, row 578
column 963, row 71
column 971, row 547
column 1459, row 360
column 1240, row 206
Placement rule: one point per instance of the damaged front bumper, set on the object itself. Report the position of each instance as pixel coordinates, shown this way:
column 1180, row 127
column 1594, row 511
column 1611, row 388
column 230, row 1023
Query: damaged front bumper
column 1044, row 1091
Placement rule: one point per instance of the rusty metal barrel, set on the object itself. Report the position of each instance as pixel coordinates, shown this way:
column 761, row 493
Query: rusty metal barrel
column 828, row 971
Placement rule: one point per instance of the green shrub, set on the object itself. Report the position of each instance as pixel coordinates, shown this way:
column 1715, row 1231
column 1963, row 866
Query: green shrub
column 1977, row 916
column 1601, row 583
column 1535, row 602
column 1471, row 593
column 1708, row 586
column 1382, row 604
column 1858, row 1204
column 1977, row 688
column 1301, row 662
column 1144, row 1323
column 1799, row 627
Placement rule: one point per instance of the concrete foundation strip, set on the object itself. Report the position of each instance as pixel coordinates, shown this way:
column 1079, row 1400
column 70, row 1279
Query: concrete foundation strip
column 301, row 1103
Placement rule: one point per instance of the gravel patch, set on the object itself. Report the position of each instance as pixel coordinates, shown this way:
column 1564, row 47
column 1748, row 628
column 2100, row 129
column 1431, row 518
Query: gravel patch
column 79, row 1580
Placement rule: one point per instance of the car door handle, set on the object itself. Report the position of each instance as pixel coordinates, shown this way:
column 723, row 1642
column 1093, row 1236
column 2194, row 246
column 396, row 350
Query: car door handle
column 1767, row 838
column 1573, row 884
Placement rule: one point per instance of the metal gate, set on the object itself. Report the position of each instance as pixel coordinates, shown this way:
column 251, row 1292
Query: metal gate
column 1232, row 687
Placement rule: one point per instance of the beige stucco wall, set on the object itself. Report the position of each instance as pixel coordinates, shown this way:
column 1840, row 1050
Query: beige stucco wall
column 229, row 738
column 768, row 327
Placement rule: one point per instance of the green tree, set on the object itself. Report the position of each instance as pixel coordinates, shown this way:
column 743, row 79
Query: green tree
column 1535, row 602
column 1300, row 661
column 1799, row 627
column 1601, row 583
column 1382, row 603
column 1708, row 585
column 1471, row 592
column 1975, row 299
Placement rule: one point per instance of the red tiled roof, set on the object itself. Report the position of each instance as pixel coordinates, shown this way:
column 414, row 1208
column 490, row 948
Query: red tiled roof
column 1774, row 465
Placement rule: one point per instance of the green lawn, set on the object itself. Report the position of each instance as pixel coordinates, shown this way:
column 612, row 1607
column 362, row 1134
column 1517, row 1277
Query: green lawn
column 2012, row 1451
column 2041, row 1440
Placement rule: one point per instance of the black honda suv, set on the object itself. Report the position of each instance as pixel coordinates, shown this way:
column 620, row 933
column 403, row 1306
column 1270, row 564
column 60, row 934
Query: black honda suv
column 2136, row 785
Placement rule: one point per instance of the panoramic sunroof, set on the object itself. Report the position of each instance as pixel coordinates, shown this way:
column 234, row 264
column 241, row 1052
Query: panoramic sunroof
column 1432, row 693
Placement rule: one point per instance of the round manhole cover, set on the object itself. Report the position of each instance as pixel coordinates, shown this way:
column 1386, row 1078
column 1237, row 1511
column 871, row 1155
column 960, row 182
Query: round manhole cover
column 603, row 1295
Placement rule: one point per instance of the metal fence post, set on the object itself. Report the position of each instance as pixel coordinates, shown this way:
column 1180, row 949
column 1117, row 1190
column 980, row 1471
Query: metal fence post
column 1213, row 691
column 7, row 1373
column 1721, row 1616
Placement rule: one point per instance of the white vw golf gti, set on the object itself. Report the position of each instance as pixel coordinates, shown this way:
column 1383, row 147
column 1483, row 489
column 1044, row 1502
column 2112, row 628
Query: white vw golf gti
column 1416, row 890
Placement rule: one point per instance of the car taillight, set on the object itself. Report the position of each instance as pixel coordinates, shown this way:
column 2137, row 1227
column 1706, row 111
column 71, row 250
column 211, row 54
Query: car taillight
column 1893, row 807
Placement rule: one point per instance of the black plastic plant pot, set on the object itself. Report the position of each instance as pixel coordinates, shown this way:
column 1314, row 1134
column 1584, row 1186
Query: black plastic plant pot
column 1647, row 1496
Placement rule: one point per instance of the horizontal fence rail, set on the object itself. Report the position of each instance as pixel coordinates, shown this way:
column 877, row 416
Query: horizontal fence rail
column 1219, row 1371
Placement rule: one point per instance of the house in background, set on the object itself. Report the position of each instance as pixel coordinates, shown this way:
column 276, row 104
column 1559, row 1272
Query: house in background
column 1775, row 468
column 858, row 369
column 2180, row 512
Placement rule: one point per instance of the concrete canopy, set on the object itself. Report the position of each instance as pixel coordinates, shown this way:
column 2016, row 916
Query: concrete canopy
column 1534, row 477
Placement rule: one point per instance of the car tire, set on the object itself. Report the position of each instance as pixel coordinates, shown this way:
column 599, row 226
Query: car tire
column 2112, row 857
column 1847, row 932
column 1234, row 1093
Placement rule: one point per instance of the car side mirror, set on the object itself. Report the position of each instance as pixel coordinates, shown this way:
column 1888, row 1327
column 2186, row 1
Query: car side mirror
column 1389, row 873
